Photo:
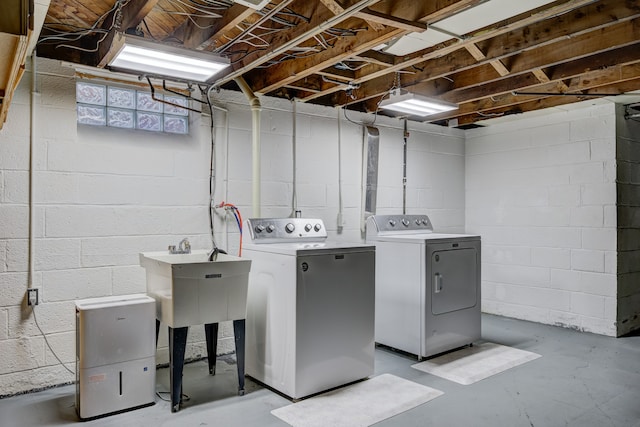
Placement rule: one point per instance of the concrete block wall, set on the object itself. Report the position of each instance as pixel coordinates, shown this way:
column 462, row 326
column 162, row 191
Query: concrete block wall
column 541, row 190
column 628, row 194
column 104, row 195
column 101, row 197
column 435, row 169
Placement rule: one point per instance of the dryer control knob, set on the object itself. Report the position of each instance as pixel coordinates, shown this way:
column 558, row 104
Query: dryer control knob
column 405, row 222
column 307, row 228
column 289, row 228
column 259, row 228
column 271, row 228
column 317, row 227
column 418, row 221
column 392, row 222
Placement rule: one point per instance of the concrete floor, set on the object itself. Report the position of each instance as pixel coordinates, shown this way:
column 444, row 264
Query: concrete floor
column 580, row 380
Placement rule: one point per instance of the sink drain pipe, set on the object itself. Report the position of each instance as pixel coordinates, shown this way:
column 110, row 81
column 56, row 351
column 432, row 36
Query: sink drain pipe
column 256, row 108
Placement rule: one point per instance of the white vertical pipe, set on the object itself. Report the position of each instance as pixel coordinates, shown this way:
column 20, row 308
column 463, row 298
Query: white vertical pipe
column 340, row 207
column 294, row 137
column 255, row 146
column 32, row 125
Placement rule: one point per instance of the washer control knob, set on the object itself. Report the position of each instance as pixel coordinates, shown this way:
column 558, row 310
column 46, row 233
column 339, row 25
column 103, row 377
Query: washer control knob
column 271, row 228
column 405, row 222
column 392, row 222
column 418, row 221
column 307, row 228
column 289, row 228
column 317, row 227
column 259, row 228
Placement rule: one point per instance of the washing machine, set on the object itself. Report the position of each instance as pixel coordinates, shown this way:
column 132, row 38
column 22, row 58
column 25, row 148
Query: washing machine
column 427, row 285
column 310, row 307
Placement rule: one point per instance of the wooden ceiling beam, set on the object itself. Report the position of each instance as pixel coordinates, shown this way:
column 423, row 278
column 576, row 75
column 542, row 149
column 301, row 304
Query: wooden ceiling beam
column 392, row 21
column 200, row 29
column 321, row 18
column 479, row 89
column 346, row 75
column 541, row 102
column 590, row 82
column 93, row 50
column 479, row 56
column 543, row 78
column 431, row 11
column 540, row 29
column 345, row 47
column 376, row 57
column 284, row 73
column 337, row 9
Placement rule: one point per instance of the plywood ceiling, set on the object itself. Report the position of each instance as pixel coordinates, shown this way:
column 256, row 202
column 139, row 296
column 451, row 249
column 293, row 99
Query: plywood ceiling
column 353, row 52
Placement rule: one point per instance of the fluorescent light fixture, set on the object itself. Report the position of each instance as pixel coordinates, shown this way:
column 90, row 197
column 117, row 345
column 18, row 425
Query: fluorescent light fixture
column 143, row 57
column 416, row 105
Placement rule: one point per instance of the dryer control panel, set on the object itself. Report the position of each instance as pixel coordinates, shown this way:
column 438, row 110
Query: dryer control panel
column 393, row 224
column 279, row 230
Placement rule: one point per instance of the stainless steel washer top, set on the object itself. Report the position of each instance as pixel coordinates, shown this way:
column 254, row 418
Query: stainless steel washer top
column 427, row 285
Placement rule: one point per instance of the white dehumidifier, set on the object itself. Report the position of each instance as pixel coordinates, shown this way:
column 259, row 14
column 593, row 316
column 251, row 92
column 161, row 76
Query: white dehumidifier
column 115, row 354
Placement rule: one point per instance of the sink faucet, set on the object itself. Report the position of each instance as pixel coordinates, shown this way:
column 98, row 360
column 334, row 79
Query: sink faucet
column 184, row 247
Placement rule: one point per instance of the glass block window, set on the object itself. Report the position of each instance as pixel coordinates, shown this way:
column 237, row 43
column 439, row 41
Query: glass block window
column 87, row 93
column 122, row 98
column 119, row 118
column 149, row 121
column 126, row 108
column 147, row 103
column 91, row 115
column 176, row 124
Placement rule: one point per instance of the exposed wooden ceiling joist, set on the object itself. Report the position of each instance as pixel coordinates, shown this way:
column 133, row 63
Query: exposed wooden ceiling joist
column 331, row 52
column 519, row 36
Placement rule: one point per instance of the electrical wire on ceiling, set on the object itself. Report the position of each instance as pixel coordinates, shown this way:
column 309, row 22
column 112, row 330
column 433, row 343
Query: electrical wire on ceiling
column 94, row 29
column 250, row 27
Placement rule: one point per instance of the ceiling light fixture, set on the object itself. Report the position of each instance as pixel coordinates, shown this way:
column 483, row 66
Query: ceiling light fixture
column 415, row 105
column 143, row 57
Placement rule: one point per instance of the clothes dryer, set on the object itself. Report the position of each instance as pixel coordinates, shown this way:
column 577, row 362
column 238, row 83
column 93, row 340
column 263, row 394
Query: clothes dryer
column 427, row 285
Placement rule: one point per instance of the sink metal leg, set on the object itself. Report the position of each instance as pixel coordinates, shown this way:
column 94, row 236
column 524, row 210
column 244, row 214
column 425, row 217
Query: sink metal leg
column 211, row 332
column 238, row 333
column 177, row 346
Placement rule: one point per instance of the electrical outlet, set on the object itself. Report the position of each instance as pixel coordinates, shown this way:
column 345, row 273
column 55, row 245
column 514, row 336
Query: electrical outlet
column 32, row 296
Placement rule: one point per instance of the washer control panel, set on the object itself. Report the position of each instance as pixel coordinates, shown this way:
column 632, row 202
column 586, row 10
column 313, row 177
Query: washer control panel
column 274, row 230
column 400, row 223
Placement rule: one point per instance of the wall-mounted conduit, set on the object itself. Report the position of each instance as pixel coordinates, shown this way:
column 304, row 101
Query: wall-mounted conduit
column 294, row 178
column 404, row 168
column 256, row 108
column 371, row 144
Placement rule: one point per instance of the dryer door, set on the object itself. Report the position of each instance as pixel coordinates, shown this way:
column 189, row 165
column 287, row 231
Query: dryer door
column 453, row 275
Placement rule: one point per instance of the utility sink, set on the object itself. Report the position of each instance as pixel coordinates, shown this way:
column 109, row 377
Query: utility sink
column 190, row 290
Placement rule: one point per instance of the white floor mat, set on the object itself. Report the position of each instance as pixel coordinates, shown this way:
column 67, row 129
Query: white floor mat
column 472, row 364
column 361, row 404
